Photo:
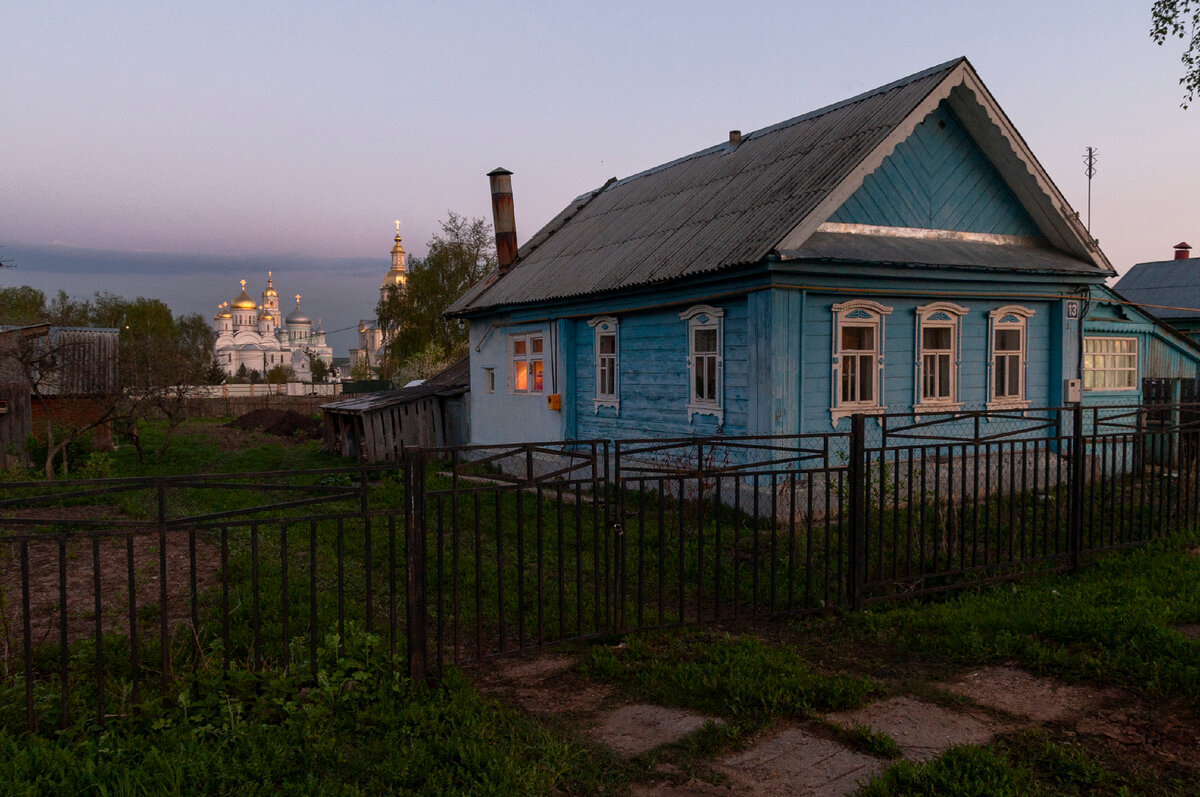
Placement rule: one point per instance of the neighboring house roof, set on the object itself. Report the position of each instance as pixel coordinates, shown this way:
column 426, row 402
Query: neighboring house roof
column 452, row 381
column 737, row 203
column 84, row 358
column 1166, row 288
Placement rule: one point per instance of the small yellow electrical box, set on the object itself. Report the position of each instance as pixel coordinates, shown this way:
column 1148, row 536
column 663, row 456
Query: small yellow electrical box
column 554, row 401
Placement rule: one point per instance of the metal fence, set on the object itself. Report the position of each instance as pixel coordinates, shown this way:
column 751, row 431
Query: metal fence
column 110, row 591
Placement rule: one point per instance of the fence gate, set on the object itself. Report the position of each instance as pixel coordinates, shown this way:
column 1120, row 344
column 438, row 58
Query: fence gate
column 518, row 547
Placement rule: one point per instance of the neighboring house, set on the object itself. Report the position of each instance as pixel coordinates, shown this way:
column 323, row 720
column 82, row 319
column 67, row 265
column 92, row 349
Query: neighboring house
column 377, row 426
column 1124, row 345
column 900, row 251
column 1168, row 289
column 73, row 371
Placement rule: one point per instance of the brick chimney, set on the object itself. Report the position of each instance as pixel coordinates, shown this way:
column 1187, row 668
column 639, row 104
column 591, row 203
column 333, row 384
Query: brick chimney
column 503, row 218
column 1183, row 250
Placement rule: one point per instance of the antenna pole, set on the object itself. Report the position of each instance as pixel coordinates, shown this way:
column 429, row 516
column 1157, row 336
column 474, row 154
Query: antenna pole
column 1089, row 160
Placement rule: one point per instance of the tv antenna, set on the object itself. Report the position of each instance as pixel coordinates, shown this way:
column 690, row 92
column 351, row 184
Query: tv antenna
column 1089, row 159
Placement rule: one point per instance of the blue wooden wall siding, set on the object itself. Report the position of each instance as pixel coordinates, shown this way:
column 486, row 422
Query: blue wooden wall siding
column 653, row 377
column 900, row 354
column 938, row 179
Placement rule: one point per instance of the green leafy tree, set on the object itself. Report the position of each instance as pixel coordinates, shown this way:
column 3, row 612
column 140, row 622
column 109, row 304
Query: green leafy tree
column 361, row 370
column 411, row 317
column 1171, row 19
column 319, row 369
column 21, row 306
column 281, row 374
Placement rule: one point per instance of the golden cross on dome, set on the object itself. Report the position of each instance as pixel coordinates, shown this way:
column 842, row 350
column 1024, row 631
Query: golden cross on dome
column 297, row 300
column 397, row 226
column 243, row 285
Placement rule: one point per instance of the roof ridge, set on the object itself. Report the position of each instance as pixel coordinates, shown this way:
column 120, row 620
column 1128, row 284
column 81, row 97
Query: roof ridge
column 804, row 117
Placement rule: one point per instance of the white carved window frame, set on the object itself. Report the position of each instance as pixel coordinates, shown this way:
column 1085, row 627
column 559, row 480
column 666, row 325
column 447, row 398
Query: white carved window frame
column 527, row 353
column 606, row 326
column 703, row 317
column 858, row 313
column 938, row 315
column 1010, row 317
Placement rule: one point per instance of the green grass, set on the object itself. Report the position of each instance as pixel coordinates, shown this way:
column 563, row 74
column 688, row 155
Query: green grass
column 360, row 729
column 733, row 677
column 1029, row 764
column 1110, row 624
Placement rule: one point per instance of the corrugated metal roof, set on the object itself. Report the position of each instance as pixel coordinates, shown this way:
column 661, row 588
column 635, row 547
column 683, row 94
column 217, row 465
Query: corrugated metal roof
column 731, row 205
column 917, row 251
column 1167, row 284
column 723, row 206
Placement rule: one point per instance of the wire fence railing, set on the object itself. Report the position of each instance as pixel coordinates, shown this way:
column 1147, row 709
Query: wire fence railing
column 113, row 591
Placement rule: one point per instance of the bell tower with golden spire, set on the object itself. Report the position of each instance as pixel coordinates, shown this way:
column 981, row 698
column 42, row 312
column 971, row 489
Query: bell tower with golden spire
column 270, row 299
column 397, row 275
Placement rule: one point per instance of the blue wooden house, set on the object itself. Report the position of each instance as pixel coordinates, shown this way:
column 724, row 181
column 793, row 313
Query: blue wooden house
column 901, row 251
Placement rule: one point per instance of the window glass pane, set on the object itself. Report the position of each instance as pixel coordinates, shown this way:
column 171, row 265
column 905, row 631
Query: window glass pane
column 536, row 367
column 1008, row 340
column 608, row 344
column 705, row 341
column 866, row 366
column 535, row 345
column 520, row 375
column 858, row 338
column 1014, row 375
column 935, row 338
column 698, row 371
column 848, row 378
column 518, row 345
column 710, row 385
column 943, row 373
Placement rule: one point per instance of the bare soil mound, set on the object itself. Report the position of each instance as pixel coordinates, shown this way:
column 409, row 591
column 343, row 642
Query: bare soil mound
column 281, row 423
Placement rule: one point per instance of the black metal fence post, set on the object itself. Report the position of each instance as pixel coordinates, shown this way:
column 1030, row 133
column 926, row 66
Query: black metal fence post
column 414, row 555
column 857, row 498
column 616, row 498
column 1077, row 484
column 164, row 630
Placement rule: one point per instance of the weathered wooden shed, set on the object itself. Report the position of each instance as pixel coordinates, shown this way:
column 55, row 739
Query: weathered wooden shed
column 376, row 427
column 15, row 422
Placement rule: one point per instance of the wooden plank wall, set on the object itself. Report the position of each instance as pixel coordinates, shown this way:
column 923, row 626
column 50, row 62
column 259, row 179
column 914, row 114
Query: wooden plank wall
column 14, row 424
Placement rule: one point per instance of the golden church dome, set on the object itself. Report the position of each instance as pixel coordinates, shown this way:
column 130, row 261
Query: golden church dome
column 243, row 301
column 270, row 291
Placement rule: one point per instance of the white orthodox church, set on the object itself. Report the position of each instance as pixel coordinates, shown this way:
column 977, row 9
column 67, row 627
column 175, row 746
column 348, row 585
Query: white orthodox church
column 255, row 335
column 372, row 341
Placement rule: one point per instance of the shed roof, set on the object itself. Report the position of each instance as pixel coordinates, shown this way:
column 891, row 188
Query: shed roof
column 734, row 204
column 1166, row 288
column 453, row 380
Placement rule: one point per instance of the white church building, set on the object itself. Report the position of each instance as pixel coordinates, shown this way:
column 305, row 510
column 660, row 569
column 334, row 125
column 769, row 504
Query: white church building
column 255, row 335
column 372, row 341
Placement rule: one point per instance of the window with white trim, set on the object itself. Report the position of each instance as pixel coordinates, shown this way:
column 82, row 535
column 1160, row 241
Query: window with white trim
column 606, row 362
column 1110, row 363
column 527, row 362
column 1009, row 349
column 705, row 363
column 858, row 329
column 489, row 380
column 938, row 326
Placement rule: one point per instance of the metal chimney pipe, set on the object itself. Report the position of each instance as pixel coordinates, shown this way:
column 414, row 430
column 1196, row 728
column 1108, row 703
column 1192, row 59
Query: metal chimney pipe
column 503, row 218
column 1183, row 250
